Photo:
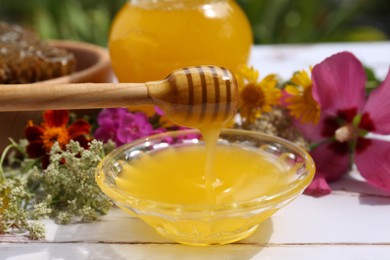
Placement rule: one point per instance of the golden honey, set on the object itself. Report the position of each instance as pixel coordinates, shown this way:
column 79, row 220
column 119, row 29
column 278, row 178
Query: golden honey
column 163, row 181
column 176, row 177
column 149, row 39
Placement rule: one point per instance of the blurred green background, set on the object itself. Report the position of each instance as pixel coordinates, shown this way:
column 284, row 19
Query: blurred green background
column 273, row 21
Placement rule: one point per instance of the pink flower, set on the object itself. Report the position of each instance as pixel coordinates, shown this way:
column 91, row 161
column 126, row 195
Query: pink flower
column 133, row 126
column 123, row 126
column 347, row 116
column 108, row 121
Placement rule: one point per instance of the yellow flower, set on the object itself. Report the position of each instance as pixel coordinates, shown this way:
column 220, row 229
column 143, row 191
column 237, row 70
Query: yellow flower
column 256, row 96
column 301, row 102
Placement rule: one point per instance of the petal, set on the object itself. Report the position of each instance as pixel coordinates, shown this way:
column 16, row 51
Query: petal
column 79, row 127
column 311, row 132
column 378, row 107
column 127, row 120
column 331, row 160
column 159, row 111
column 107, row 122
column 45, row 161
column 141, row 118
column 319, row 186
column 83, row 141
column 127, row 135
column 55, row 118
column 35, row 149
column 373, row 163
column 283, row 97
column 111, row 114
column 315, row 132
column 104, row 116
column 105, row 134
column 33, row 132
column 339, row 83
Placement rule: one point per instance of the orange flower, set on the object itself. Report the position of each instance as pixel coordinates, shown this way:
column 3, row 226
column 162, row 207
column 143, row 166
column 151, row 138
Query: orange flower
column 54, row 129
column 256, row 96
column 301, row 103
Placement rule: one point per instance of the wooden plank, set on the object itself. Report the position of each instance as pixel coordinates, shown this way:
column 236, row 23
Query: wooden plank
column 173, row 251
column 358, row 216
column 344, row 217
column 284, row 59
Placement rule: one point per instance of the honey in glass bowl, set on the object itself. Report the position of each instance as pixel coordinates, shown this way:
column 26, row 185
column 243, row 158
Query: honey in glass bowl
column 161, row 180
column 151, row 38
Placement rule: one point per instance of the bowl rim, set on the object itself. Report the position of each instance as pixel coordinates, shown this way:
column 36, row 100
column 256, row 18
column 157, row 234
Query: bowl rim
column 102, row 63
column 287, row 194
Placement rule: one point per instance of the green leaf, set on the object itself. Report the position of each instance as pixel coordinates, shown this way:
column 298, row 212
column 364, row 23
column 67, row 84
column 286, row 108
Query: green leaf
column 372, row 80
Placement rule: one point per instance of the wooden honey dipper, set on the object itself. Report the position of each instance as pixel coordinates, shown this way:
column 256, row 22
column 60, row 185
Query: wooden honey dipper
column 193, row 94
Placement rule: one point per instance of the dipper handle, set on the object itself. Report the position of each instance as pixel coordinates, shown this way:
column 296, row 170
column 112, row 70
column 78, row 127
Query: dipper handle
column 193, row 94
column 39, row 96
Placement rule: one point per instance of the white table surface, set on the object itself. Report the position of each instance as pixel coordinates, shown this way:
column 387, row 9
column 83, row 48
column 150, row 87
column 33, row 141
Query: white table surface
column 351, row 223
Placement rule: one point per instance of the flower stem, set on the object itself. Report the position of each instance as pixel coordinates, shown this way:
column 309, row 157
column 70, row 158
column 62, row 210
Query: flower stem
column 3, row 155
column 315, row 145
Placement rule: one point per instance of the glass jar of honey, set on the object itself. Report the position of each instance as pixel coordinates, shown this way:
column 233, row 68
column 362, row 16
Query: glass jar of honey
column 150, row 38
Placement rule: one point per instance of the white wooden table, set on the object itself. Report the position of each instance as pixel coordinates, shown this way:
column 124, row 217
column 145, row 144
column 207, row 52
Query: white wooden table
column 351, row 223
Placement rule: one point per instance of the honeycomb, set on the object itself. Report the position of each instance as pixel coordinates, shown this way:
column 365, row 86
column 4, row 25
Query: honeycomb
column 25, row 58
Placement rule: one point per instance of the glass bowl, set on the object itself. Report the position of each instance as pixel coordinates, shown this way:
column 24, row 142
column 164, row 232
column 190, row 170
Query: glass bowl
column 202, row 223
